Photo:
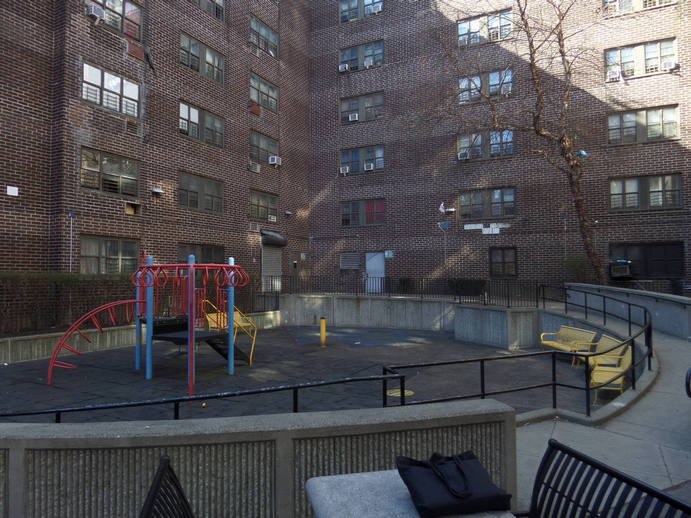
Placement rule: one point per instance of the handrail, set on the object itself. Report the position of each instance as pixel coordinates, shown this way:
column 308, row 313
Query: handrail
column 295, row 388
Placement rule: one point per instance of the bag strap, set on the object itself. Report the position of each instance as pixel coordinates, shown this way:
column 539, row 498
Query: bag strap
column 434, row 464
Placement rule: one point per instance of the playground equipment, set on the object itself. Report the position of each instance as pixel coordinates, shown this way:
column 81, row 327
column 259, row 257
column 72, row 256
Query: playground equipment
column 218, row 320
column 186, row 300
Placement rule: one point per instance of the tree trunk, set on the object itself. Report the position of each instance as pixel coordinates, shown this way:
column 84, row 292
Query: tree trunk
column 585, row 226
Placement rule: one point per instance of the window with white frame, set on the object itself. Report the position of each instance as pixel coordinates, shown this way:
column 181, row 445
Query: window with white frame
column 645, row 192
column 641, row 59
column 363, row 160
column 485, row 145
column 262, row 37
column 110, row 90
column 109, row 173
column 263, row 92
column 123, row 16
column 107, row 255
column 614, row 7
column 481, row 29
column 645, row 125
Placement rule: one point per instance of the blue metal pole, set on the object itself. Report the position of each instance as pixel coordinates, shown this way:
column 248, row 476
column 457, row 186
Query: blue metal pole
column 149, row 320
column 191, row 296
column 231, row 322
column 138, row 325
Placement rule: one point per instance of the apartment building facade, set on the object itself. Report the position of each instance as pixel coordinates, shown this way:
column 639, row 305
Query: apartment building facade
column 325, row 136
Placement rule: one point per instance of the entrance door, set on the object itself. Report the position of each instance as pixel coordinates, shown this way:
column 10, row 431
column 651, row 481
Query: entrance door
column 376, row 271
column 271, row 268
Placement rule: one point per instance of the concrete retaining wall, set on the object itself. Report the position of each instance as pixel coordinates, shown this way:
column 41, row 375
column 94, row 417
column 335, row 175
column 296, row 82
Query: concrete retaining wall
column 510, row 328
column 247, row 466
column 671, row 314
column 368, row 311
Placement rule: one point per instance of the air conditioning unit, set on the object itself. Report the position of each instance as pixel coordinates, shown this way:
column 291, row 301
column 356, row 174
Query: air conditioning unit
column 613, row 76
column 254, row 226
column 344, row 170
column 369, row 166
column 343, row 67
column 611, row 6
column 505, row 89
column 95, row 12
column 368, row 63
column 255, row 167
column 274, row 160
column 353, row 117
column 667, row 66
column 463, row 155
column 494, row 34
column 271, row 218
column 376, row 8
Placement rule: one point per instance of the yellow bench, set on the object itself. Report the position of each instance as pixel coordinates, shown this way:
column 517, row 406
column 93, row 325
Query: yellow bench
column 569, row 339
column 611, row 358
column 604, row 375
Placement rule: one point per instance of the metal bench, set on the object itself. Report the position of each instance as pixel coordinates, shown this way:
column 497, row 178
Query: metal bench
column 166, row 499
column 569, row 483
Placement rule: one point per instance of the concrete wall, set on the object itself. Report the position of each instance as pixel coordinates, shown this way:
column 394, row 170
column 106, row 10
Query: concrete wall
column 497, row 327
column 368, row 311
column 247, row 466
column 3, row 482
column 671, row 314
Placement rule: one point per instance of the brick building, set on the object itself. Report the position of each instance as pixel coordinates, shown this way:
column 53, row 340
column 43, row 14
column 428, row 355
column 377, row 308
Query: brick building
column 323, row 136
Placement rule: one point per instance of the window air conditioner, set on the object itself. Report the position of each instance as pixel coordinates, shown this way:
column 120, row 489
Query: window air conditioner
column 255, row 167
column 369, row 166
column 343, row 67
column 493, row 34
column 353, row 117
column 376, row 8
column 254, row 226
column 463, row 155
column 344, row 170
column 274, row 160
column 505, row 89
column 96, row 12
column 271, row 218
column 668, row 66
column 613, row 76
column 368, row 63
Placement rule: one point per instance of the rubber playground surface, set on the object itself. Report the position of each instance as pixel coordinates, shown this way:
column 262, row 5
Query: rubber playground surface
column 283, row 355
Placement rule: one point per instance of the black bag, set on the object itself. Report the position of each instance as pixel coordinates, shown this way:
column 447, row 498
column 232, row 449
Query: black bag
column 451, row 485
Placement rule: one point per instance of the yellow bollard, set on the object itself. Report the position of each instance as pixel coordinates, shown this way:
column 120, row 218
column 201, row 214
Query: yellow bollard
column 322, row 332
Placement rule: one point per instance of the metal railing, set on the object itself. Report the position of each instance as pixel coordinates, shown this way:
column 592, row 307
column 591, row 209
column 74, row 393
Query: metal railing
column 295, row 388
column 589, row 311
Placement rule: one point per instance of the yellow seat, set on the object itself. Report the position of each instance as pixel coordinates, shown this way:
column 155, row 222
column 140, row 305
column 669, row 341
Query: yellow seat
column 611, row 357
column 569, row 339
column 218, row 320
column 605, row 375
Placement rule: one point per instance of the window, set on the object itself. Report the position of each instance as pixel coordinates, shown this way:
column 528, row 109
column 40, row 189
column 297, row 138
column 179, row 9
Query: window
column 491, row 84
column 109, row 173
column 207, row 254
column 364, row 108
column 643, row 125
column 645, row 192
column 470, row 89
column 354, row 9
column 363, row 212
column 213, row 7
column 195, row 55
column 110, row 90
column 363, row 56
column 480, row 29
column 350, row 261
column 123, row 16
column 641, row 59
column 263, row 206
column 489, row 203
column 612, row 7
column 364, row 159
column 199, row 193
column 192, row 119
column 485, row 145
column 651, row 260
column 263, row 38
column 502, row 262
column 264, row 93
column 108, row 255
column 262, row 147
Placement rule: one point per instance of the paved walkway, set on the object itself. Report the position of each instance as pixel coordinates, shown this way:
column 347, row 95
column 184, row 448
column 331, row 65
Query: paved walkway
column 651, row 440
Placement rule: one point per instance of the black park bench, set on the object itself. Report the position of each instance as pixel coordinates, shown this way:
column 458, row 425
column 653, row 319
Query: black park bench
column 569, row 483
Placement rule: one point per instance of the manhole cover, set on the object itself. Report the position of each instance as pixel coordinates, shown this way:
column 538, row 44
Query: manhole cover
column 397, row 393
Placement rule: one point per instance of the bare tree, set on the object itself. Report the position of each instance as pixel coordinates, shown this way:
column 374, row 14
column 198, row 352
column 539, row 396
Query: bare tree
column 548, row 40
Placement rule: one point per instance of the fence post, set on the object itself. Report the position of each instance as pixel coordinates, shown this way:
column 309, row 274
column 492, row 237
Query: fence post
column 554, row 379
column 587, row 387
column 384, row 386
column 295, row 400
column 402, row 384
column 585, row 304
column 482, row 378
column 633, row 364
